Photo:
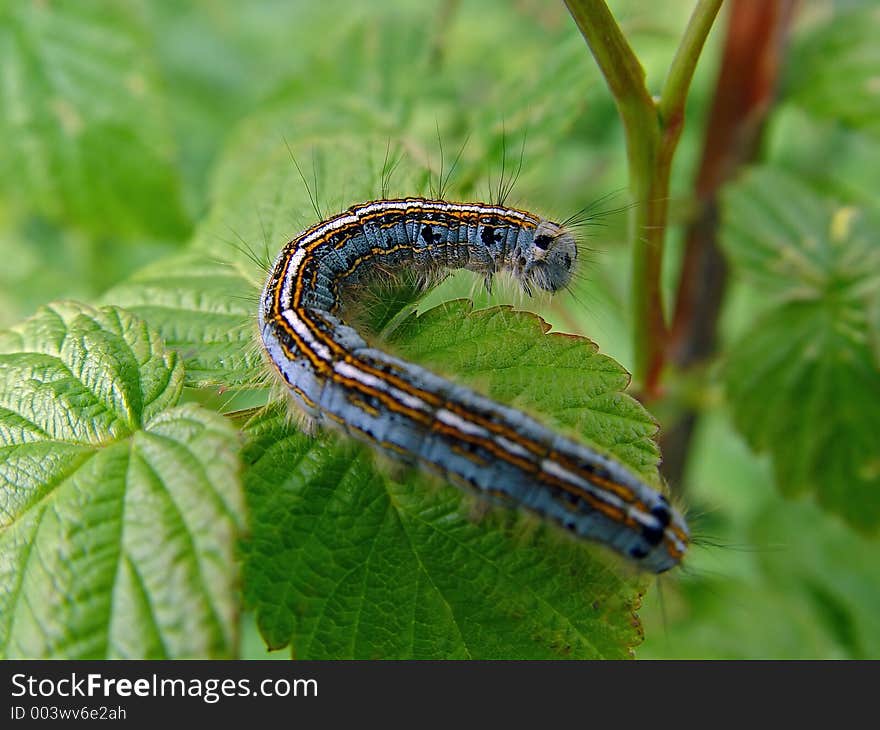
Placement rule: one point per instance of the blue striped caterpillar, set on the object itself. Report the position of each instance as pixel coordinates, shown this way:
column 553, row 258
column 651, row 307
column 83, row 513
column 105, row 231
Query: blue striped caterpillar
column 414, row 415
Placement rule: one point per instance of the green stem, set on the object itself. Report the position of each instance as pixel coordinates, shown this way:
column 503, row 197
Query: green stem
column 681, row 70
column 652, row 128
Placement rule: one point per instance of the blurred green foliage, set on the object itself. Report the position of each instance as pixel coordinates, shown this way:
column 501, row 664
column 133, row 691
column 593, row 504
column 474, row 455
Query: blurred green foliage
column 146, row 150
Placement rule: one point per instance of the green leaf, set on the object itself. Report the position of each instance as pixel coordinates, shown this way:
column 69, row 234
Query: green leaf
column 118, row 509
column 205, row 309
column 345, row 561
column 845, row 90
column 804, row 381
column 836, row 161
column 85, row 140
column 832, row 572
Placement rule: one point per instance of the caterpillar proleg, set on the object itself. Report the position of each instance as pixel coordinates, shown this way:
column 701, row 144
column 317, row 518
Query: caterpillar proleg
column 416, row 416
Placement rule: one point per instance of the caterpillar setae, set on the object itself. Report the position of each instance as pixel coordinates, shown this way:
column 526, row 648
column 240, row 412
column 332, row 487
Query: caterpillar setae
column 421, row 418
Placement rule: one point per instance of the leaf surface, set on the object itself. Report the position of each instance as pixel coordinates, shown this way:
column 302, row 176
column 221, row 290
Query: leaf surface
column 119, row 509
column 804, row 380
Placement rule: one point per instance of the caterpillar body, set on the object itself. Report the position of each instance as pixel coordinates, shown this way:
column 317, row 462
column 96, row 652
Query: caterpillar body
column 414, row 415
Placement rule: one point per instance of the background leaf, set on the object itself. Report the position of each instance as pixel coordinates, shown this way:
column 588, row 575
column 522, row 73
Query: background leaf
column 774, row 578
column 82, row 119
column 119, row 510
column 89, row 183
column 847, row 90
column 205, row 310
column 804, row 380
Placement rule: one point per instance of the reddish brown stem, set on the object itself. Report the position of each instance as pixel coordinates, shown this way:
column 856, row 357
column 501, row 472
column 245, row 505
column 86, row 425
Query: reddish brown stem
column 750, row 66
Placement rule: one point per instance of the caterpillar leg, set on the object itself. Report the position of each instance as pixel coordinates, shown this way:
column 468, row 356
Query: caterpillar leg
column 480, row 507
column 303, row 412
column 398, row 471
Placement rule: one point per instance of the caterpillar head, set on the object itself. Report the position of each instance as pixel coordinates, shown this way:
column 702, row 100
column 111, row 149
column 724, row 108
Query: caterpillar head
column 549, row 261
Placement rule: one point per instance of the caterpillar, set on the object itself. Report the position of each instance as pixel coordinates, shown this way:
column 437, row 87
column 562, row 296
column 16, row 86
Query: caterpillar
column 416, row 416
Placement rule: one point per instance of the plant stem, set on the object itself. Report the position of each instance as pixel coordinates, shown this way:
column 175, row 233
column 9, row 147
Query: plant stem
column 681, row 70
column 652, row 128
